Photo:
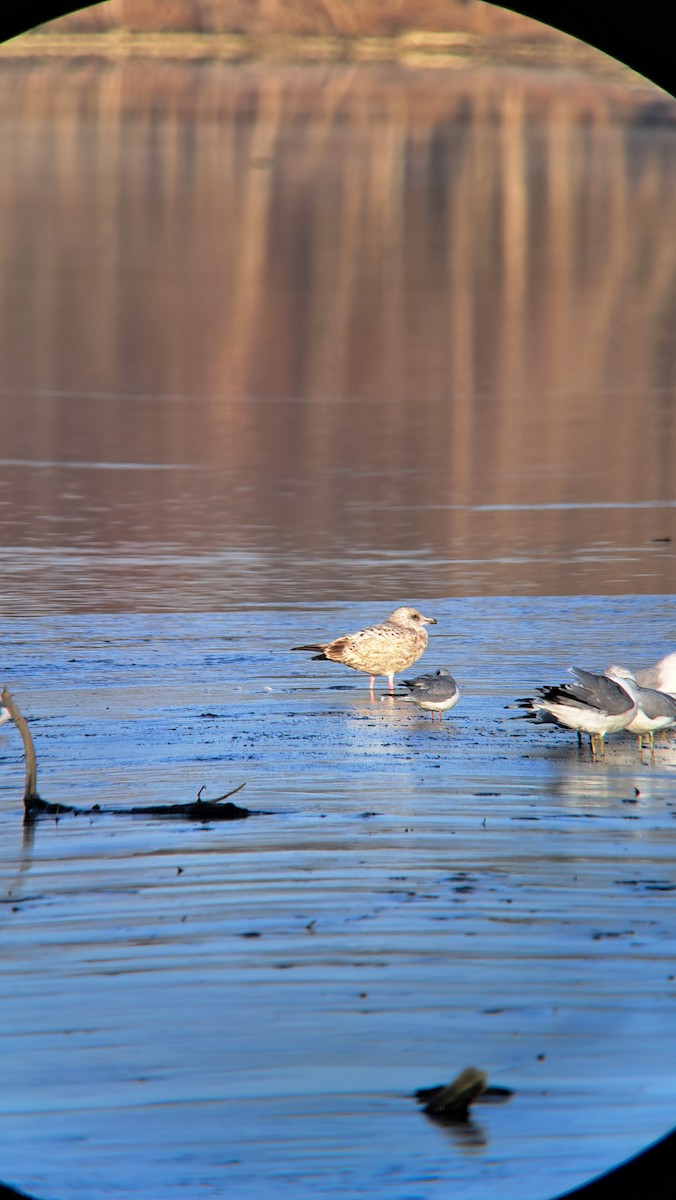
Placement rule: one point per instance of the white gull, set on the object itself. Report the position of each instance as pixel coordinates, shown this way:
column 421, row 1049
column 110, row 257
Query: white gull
column 656, row 709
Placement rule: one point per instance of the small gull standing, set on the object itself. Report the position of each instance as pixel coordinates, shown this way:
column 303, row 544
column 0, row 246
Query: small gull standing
column 656, row 709
column 593, row 704
column 434, row 693
column 381, row 649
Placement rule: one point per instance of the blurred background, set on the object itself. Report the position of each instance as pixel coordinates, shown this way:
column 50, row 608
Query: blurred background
column 330, row 300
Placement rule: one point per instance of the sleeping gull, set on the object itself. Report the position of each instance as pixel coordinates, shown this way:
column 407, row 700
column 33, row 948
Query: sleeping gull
column 656, row 710
column 433, row 693
column 380, row 649
column 594, row 704
column 661, row 676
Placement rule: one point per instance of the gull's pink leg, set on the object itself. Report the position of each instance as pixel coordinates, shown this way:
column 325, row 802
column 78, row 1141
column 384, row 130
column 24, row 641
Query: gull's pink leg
column 391, row 687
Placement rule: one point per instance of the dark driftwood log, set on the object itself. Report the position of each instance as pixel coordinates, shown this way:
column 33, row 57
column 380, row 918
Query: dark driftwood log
column 196, row 810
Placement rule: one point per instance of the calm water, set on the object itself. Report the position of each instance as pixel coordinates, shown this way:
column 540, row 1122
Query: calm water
column 356, row 333
column 282, row 348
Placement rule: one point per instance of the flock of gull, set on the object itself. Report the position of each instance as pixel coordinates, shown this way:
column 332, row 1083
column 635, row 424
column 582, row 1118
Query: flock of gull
column 643, row 703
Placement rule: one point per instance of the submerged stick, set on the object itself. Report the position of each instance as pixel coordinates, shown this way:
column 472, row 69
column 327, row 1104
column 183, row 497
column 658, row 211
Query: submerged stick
column 452, row 1100
column 450, row 1103
column 30, row 792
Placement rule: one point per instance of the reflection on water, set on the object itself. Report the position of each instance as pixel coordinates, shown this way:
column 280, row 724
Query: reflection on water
column 332, row 331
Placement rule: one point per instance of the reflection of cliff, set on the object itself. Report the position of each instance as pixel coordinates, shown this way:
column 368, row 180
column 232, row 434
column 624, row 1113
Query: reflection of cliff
column 472, row 277
column 355, row 18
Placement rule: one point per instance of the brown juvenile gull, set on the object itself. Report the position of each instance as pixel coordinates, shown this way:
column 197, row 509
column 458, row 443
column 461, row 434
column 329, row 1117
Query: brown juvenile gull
column 380, row 649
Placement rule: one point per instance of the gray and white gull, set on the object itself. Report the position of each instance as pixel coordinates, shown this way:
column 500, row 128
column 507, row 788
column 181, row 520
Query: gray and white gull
column 656, row 709
column 592, row 704
column 661, row 675
column 436, row 692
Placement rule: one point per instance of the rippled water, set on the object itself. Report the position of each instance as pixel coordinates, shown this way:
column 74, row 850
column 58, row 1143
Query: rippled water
column 247, row 1008
column 281, row 350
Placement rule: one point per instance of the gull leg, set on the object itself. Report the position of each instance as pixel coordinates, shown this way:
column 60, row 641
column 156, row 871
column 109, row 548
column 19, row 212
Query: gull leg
column 651, row 735
column 391, row 683
column 371, row 683
column 639, row 739
column 598, row 746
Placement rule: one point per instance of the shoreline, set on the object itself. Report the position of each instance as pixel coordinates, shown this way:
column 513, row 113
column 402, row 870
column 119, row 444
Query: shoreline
column 415, row 48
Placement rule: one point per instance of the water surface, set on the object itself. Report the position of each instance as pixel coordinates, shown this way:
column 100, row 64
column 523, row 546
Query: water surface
column 337, row 332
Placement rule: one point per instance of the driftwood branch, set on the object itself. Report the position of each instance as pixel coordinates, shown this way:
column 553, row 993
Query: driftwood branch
column 34, row 806
column 30, row 792
column 197, row 810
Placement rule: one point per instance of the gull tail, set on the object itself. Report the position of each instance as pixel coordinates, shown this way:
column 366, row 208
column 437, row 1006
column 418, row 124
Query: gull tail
column 321, row 654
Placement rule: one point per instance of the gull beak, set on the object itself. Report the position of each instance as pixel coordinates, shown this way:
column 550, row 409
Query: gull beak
column 430, row 620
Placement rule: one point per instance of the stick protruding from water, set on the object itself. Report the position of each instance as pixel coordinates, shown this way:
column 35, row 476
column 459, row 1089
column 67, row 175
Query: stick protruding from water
column 30, row 792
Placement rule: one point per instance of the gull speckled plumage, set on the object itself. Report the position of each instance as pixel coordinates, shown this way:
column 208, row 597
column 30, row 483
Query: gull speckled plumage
column 383, row 649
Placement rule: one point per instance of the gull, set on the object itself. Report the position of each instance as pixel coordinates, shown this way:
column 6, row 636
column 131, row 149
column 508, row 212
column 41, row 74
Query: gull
column 656, row 709
column 381, row 649
column 593, row 704
column 5, row 715
column 433, row 693
column 661, row 676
